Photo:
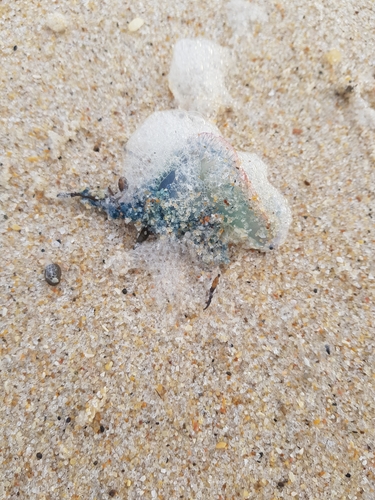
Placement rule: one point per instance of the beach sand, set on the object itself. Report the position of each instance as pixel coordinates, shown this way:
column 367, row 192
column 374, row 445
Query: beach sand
column 116, row 383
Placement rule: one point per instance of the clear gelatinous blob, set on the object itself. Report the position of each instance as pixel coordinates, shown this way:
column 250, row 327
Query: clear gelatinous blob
column 197, row 75
column 188, row 182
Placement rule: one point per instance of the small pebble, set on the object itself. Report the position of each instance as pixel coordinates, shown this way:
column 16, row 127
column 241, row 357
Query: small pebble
column 136, row 24
column 57, row 22
column 52, row 274
column 333, row 56
column 221, row 445
column 39, row 456
column 122, row 184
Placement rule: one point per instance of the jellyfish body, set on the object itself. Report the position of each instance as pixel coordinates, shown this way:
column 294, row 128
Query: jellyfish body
column 188, row 182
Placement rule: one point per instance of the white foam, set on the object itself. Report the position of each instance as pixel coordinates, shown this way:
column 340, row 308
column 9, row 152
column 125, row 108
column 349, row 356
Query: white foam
column 197, row 75
column 155, row 141
column 243, row 15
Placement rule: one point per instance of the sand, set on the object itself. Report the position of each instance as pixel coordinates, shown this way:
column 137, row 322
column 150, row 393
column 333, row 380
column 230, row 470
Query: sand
column 115, row 382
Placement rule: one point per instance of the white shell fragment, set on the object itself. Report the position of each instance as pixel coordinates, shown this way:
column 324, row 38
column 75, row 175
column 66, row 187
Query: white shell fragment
column 136, row 24
column 57, row 22
column 197, row 75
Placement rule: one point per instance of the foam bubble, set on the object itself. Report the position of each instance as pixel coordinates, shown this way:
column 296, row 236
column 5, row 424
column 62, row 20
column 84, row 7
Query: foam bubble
column 197, row 75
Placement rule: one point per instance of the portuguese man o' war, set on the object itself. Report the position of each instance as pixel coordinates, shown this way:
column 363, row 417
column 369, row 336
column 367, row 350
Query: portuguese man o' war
column 185, row 181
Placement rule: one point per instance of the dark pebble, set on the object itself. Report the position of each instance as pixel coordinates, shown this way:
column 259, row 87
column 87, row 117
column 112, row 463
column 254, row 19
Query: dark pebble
column 68, row 420
column 102, row 429
column 348, row 475
column 112, row 493
column 122, row 184
column 52, row 274
column 15, row 48
column 315, row 290
column 39, row 456
column 124, row 291
column 328, row 349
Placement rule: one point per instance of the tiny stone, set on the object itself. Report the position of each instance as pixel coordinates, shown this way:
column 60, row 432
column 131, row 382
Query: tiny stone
column 56, row 22
column 333, row 56
column 348, row 475
column 68, row 420
column 136, row 24
column 124, row 291
column 15, row 48
column 221, row 445
column 108, row 365
column 39, row 456
column 52, row 274
column 112, row 493
column 122, row 184
column 102, row 429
